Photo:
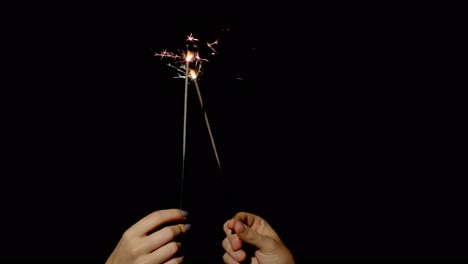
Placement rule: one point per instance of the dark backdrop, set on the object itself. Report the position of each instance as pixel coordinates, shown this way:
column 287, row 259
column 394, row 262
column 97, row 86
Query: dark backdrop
column 323, row 126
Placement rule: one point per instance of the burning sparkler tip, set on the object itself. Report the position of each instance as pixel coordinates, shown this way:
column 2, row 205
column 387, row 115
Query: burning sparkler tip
column 193, row 74
column 191, row 56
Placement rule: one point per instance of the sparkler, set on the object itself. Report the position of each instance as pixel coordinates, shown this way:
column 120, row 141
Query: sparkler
column 194, row 78
column 191, row 57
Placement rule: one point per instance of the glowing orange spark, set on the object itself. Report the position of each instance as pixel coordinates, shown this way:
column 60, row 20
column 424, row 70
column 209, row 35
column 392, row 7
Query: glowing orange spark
column 189, row 56
column 193, row 74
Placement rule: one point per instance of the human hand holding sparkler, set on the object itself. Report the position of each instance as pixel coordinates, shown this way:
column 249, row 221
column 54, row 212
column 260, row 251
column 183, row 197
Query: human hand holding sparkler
column 246, row 228
column 148, row 242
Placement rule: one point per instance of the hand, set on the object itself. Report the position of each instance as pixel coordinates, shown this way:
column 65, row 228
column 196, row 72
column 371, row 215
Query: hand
column 139, row 244
column 246, row 228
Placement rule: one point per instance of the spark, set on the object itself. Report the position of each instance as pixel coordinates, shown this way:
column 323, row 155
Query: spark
column 165, row 53
column 191, row 38
column 210, row 45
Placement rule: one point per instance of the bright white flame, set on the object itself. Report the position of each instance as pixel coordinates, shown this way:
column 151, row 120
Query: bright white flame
column 193, row 74
column 189, row 56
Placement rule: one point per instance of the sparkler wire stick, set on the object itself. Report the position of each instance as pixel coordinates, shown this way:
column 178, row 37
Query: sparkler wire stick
column 207, row 122
column 187, row 61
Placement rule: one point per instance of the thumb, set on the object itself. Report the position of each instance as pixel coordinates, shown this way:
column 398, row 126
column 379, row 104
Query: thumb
column 250, row 236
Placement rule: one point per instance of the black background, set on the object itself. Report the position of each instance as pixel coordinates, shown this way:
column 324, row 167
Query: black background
column 329, row 126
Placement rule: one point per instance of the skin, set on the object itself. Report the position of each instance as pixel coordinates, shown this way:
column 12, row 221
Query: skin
column 139, row 245
column 153, row 240
column 246, row 228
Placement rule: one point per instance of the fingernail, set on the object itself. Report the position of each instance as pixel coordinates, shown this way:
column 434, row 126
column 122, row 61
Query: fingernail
column 184, row 213
column 187, row 226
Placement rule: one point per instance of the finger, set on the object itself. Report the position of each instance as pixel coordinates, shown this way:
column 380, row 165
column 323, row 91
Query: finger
column 164, row 236
column 164, row 253
column 250, row 236
column 229, row 260
column 154, row 220
column 177, row 260
column 247, row 218
column 234, row 241
column 227, row 246
column 231, row 236
column 251, row 220
column 228, row 227
column 256, row 223
column 239, row 255
column 230, row 224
